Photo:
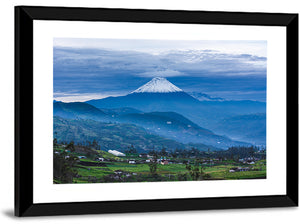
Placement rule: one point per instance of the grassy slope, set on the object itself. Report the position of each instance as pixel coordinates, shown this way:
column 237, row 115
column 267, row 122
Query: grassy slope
column 216, row 172
column 114, row 136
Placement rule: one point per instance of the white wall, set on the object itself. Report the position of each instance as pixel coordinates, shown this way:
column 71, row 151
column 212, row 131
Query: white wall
column 278, row 215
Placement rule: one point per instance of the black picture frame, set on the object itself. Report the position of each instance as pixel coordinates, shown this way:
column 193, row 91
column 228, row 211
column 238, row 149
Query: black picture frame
column 24, row 18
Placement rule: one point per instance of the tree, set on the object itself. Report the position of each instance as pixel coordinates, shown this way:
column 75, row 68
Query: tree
column 71, row 146
column 95, row 145
column 252, row 152
column 131, row 149
column 153, row 166
column 195, row 172
column 174, row 153
column 163, row 152
column 55, row 144
column 182, row 176
column 153, row 153
column 64, row 167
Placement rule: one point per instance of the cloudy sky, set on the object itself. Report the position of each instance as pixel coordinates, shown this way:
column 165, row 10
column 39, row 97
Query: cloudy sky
column 87, row 69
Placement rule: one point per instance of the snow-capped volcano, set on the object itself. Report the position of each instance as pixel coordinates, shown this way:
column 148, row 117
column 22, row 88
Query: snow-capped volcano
column 158, row 85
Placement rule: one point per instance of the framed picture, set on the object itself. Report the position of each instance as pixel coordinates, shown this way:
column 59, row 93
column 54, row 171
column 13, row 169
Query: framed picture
column 121, row 110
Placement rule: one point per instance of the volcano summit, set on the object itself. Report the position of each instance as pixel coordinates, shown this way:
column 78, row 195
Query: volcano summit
column 156, row 95
column 158, row 85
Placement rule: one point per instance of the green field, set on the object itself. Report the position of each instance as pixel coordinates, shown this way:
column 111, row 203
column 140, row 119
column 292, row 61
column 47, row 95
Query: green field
column 216, row 172
column 118, row 169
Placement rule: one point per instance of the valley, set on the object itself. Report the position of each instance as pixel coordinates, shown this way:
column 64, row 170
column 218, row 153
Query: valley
column 85, row 164
column 158, row 133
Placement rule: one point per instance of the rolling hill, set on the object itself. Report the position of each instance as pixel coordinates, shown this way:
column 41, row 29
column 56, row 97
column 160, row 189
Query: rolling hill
column 249, row 127
column 115, row 136
column 170, row 125
column 78, row 110
column 175, row 126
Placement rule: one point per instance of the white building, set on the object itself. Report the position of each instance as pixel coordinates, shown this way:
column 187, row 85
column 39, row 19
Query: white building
column 116, row 153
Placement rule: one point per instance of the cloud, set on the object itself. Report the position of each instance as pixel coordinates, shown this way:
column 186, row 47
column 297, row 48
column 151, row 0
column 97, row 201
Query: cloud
column 259, row 95
column 161, row 73
column 169, row 64
column 78, row 97
column 157, row 47
column 114, row 72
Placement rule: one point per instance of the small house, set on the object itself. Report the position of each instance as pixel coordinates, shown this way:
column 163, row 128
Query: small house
column 143, row 155
column 118, row 172
column 239, row 169
column 164, row 162
column 232, row 170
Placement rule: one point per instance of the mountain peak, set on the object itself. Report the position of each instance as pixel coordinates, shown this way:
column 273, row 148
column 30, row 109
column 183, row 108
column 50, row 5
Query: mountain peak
column 158, row 85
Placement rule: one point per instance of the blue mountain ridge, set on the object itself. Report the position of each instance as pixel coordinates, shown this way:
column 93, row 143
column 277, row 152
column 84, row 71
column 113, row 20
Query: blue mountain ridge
column 206, row 114
column 116, row 136
column 167, row 124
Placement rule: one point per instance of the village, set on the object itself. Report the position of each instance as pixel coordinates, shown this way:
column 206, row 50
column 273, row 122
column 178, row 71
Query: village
column 146, row 158
column 92, row 166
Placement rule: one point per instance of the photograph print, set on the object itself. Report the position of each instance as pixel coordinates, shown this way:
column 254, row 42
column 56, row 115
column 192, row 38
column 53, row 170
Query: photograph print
column 136, row 110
